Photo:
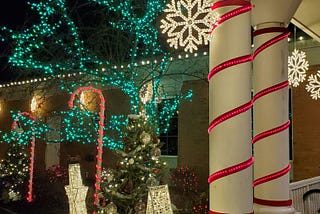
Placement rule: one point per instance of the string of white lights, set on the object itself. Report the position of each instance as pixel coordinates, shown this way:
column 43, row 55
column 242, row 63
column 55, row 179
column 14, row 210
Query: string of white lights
column 141, row 63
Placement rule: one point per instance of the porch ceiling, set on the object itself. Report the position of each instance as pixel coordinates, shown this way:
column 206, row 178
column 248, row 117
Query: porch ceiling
column 307, row 18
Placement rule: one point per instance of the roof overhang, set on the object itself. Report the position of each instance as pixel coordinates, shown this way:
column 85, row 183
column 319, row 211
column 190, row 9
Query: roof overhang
column 307, row 18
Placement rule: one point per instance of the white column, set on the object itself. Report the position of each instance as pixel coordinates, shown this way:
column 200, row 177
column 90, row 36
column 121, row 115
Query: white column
column 52, row 153
column 270, row 69
column 230, row 140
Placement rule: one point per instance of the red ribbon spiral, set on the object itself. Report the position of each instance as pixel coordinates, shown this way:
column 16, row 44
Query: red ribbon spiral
column 243, row 7
column 284, row 34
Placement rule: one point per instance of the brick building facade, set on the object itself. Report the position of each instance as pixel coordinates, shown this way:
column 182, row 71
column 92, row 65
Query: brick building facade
column 192, row 129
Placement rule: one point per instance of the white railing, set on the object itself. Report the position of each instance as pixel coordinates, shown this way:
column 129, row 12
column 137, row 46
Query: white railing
column 305, row 195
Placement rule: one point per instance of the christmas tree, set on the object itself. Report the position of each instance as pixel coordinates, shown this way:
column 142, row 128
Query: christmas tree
column 125, row 188
column 14, row 172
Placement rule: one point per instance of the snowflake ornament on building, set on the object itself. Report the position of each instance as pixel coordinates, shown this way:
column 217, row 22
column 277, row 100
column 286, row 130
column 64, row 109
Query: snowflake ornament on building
column 297, row 67
column 313, row 86
column 188, row 23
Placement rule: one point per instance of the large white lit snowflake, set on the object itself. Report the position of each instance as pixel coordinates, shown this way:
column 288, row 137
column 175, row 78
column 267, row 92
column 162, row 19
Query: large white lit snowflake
column 313, row 85
column 188, row 23
column 297, row 67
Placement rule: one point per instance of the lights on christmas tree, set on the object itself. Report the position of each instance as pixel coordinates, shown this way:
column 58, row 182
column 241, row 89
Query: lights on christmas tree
column 139, row 167
column 24, row 130
column 16, row 126
column 188, row 23
column 14, row 171
column 297, row 67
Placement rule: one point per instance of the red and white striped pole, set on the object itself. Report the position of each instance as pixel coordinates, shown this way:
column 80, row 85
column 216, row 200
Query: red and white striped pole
column 32, row 150
column 100, row 135
column 230, row 153
column 271, row 116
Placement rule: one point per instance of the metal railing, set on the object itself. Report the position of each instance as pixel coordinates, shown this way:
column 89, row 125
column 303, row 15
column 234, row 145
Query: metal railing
column 305, row 195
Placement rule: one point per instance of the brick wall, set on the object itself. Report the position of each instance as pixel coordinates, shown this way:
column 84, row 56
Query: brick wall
column 306, row 132
column 192, row 131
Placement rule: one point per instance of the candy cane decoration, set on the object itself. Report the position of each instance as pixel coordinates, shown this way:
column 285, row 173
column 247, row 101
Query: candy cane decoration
column 230, row 152
column 275, row 36
column 100, row 133
column 33, row 144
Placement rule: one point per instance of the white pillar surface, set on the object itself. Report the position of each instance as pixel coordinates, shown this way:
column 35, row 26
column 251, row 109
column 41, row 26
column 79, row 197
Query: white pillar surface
column 52, row 156
column 230, row 141
column 52, row 152
column 270, row 67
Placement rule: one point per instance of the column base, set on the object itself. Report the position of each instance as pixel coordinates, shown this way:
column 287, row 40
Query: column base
column 261, row 209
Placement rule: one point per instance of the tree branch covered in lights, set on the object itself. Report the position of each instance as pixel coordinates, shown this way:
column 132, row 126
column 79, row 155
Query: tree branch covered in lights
column 24, row 129
column 59, row 44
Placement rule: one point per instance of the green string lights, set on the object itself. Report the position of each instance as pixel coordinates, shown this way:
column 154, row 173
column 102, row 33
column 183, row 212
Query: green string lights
column 79, row 126
column 140, row 25
column 56, row 31
column 25, row 129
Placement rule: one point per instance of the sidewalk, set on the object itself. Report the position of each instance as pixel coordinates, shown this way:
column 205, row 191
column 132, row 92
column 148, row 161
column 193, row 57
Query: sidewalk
column 6, row 211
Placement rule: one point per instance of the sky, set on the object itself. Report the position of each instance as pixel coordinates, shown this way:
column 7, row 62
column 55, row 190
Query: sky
column 12, row 12
column 12, row 15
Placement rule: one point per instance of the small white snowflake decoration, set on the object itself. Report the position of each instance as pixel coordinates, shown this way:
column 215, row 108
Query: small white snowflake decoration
column 297, row 67
column 313, row 85
column 188, row 23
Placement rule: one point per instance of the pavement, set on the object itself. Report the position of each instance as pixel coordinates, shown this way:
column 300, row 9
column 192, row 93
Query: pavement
column 6, row 211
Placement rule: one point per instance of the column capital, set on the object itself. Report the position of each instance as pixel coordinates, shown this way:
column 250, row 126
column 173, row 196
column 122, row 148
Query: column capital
column 273, row 11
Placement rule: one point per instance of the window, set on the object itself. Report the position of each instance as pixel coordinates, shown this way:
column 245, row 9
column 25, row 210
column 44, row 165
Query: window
column 290, row 127
column 170, row 138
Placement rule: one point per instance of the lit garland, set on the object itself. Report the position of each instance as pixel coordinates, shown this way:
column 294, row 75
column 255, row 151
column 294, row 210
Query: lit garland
column 141, row 63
